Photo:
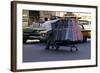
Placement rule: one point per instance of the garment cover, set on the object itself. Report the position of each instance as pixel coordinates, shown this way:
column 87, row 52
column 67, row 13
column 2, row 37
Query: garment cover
column 73, row 32
column 59, row 30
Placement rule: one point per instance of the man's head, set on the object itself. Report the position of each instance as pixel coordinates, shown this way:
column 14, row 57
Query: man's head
column 46, row 19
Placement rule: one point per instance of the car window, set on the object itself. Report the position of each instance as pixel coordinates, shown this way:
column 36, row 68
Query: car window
column 85, row 24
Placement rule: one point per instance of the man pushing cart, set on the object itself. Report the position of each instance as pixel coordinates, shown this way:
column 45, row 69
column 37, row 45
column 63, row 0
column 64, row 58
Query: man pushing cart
column 64, row 29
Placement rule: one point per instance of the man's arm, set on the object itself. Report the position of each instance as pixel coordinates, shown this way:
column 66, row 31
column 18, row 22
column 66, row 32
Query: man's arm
column 52, row 21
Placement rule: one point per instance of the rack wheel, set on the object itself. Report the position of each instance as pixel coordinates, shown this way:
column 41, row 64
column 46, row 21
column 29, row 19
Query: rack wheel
column 57, row 48
column 73, row 48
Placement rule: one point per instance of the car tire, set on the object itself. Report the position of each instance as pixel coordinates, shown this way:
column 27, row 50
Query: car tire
column 24, row 40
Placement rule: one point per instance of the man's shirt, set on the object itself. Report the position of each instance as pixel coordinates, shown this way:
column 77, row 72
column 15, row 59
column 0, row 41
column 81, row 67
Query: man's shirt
column 47, row 24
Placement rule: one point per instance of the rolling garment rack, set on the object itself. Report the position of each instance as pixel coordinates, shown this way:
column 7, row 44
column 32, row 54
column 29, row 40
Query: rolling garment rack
column 67, row 28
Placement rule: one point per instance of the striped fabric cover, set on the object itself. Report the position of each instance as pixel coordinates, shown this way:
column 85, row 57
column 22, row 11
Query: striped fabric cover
column 73, row 31
column 67, row 30
column 60, row 31
column 77, row 34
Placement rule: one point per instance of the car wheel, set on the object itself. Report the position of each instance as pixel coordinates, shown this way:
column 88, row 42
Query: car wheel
column 24, row 40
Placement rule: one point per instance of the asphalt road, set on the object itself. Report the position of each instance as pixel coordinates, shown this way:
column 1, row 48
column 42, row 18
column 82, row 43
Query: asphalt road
column 35, row 52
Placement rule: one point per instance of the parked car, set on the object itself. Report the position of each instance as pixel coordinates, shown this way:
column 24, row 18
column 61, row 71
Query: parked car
column 33, row 33
column 86, row 29
column 86, row 35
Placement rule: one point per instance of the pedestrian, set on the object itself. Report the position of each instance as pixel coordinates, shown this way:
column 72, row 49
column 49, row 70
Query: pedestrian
column 48, row 26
